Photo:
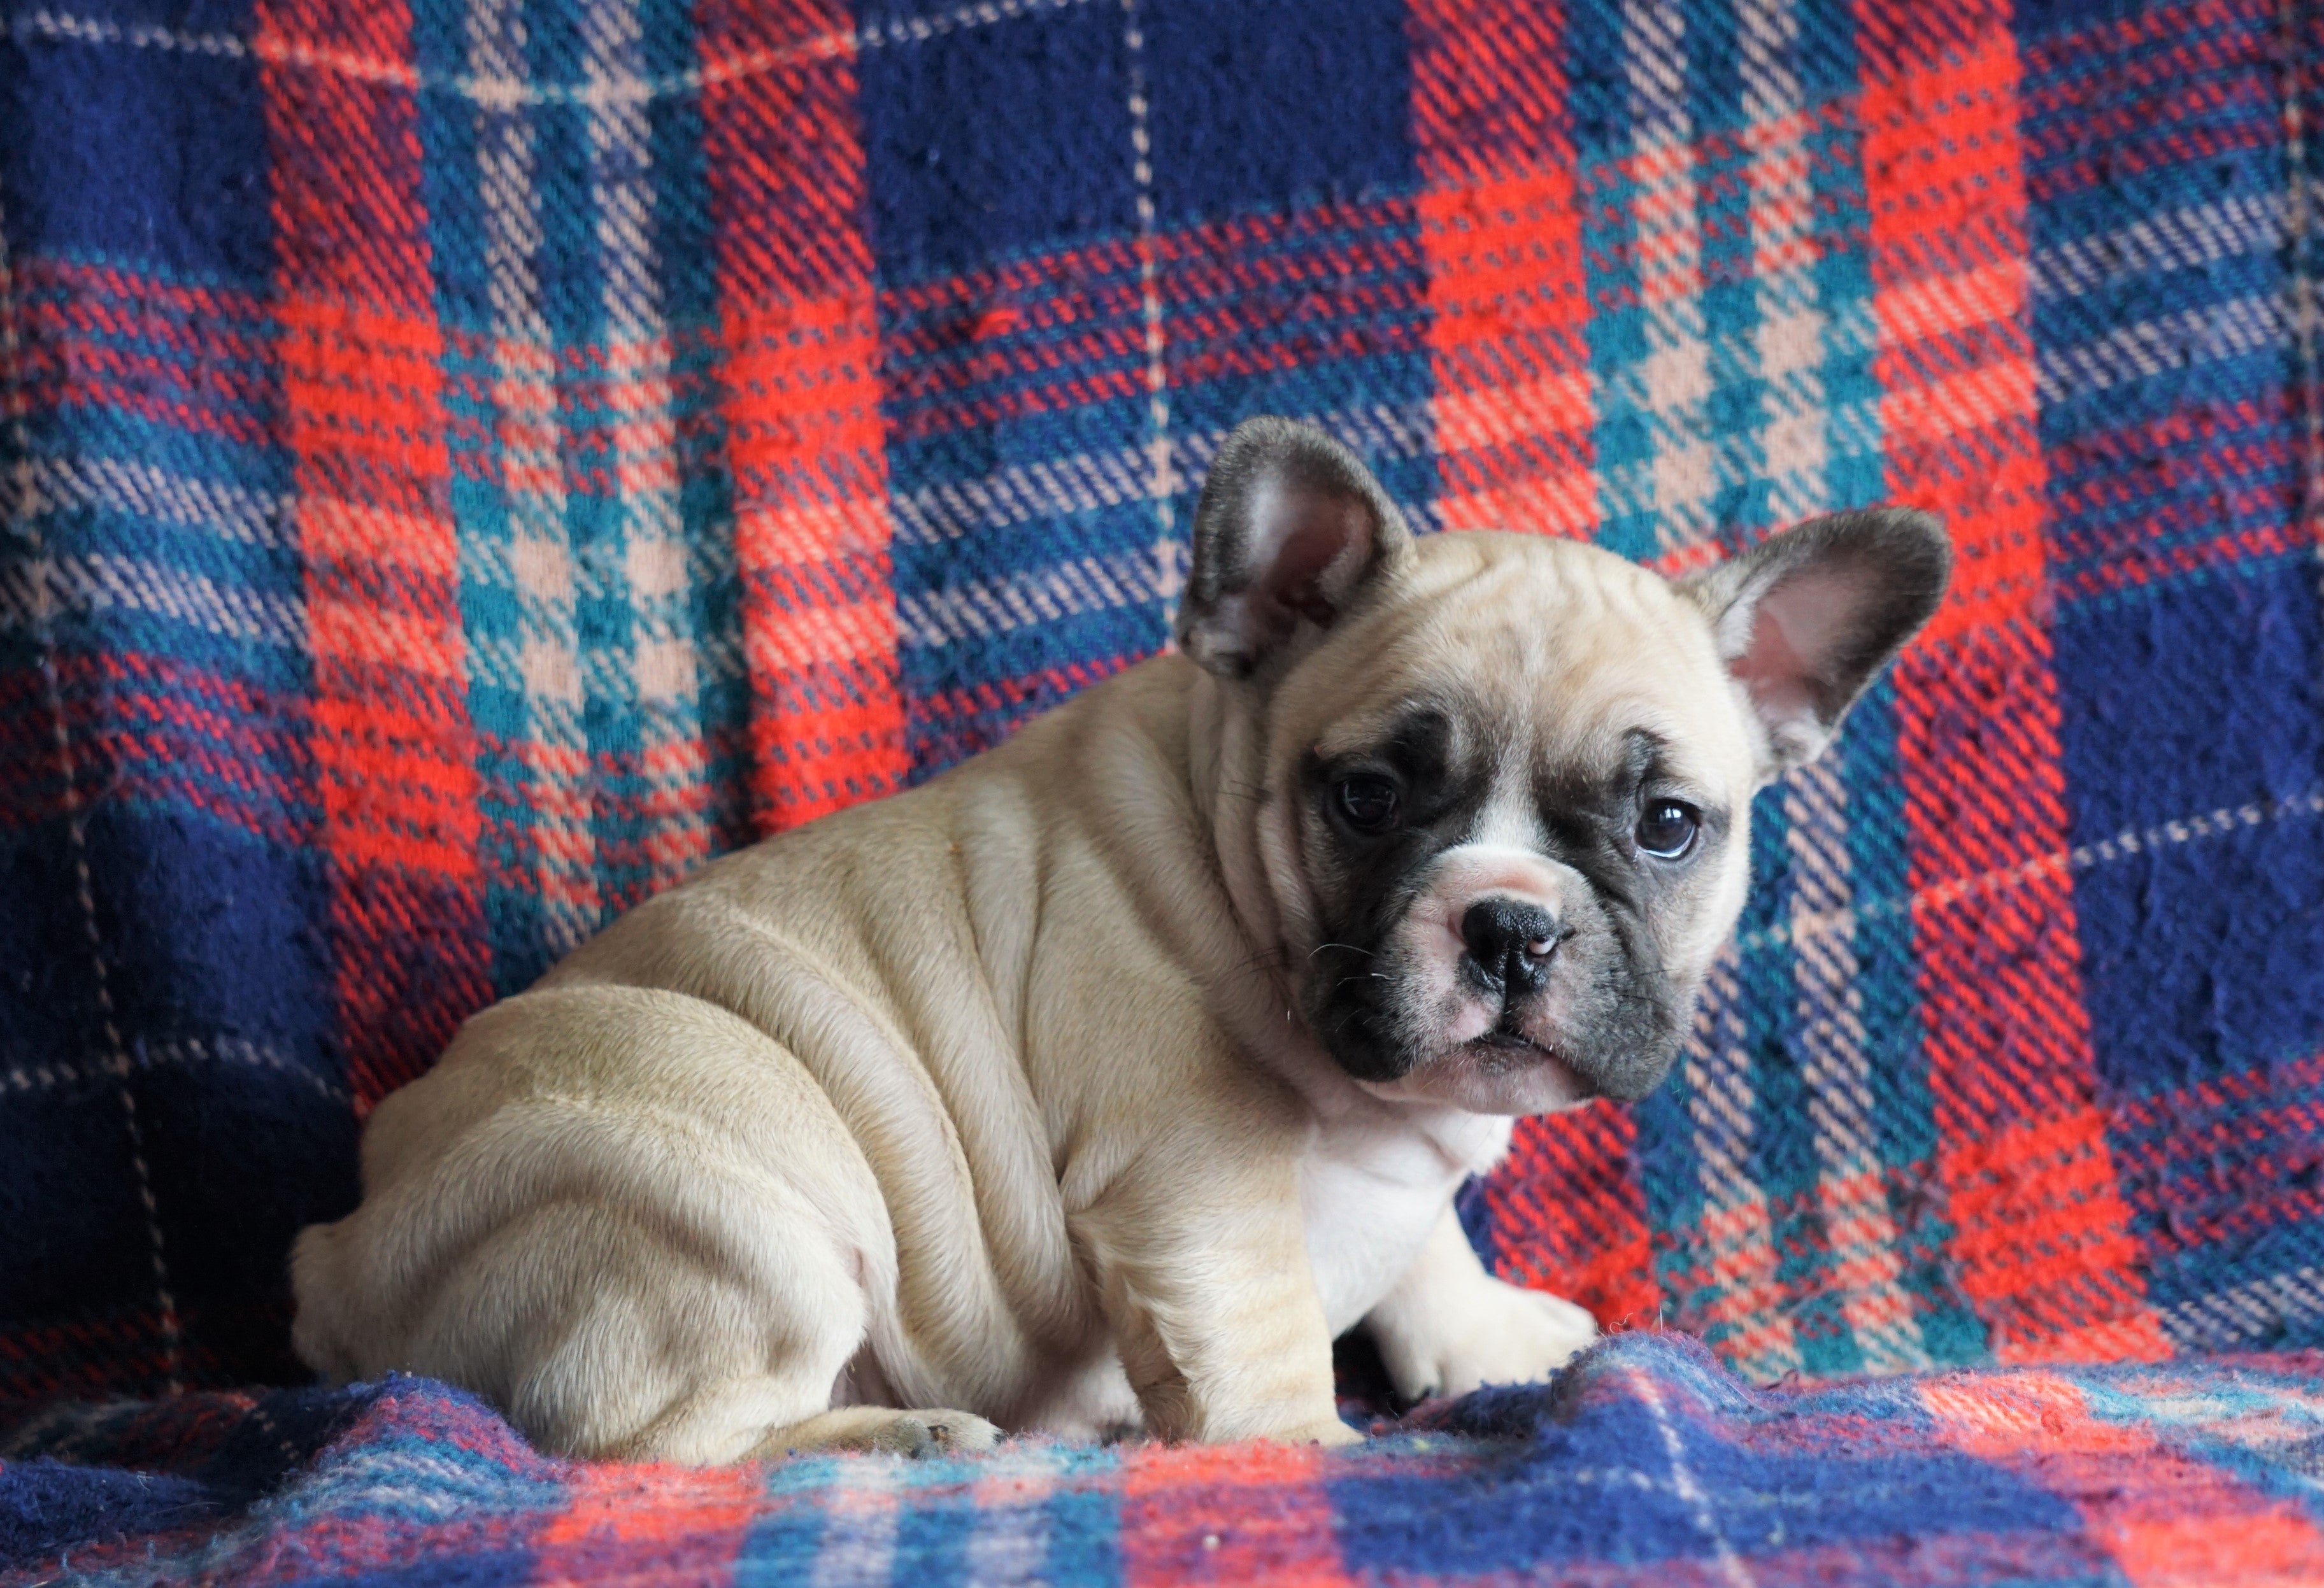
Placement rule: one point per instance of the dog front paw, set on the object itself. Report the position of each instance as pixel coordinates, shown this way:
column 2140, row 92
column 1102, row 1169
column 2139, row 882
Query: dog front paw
column 922, row 1434
column 1501, row 1335
column 879, row 1430
column 1331, row 1432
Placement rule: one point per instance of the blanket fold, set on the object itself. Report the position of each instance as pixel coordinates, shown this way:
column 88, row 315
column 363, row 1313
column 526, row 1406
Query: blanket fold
column 1645, row 1462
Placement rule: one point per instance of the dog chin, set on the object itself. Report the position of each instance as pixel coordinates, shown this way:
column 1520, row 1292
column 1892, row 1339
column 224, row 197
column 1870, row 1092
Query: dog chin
column 1489, row 1075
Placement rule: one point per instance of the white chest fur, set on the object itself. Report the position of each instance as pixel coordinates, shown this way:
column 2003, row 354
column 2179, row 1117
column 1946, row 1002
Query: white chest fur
column 1373, row 1185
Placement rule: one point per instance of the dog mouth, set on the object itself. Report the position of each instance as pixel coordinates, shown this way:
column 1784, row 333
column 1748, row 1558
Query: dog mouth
column 1505, row 1052
column 1502, row 1071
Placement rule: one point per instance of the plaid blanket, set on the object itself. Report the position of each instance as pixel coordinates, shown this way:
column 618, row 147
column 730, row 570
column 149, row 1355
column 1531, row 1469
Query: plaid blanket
column 463, row 463
column 1646, row 1464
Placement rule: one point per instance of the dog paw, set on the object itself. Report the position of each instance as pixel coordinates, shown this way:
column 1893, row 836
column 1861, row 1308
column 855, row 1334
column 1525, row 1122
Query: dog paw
column 919, row 1433
column 1331, row 1432
column 879, row 1430
column 1501, row 1335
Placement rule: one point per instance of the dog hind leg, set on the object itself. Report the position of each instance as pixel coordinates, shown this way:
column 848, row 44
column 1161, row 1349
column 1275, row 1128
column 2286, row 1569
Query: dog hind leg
column 616, row 1341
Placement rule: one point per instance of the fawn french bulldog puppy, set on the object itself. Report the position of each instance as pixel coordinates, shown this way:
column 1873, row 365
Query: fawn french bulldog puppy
column 1099, row 1082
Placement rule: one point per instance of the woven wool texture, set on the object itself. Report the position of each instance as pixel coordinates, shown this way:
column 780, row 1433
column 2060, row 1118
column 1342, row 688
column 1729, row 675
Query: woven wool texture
column 467, row 462
column 1646, row 1465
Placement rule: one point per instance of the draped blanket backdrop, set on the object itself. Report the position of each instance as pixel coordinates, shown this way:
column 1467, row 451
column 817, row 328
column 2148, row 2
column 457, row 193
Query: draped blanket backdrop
column 469, row 461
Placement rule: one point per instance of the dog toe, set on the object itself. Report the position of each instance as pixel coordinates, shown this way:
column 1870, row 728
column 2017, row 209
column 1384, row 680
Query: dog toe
column 925, row 1433
column 960, row 1431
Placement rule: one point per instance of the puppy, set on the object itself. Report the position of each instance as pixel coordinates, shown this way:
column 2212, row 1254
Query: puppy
column 1100, row 1082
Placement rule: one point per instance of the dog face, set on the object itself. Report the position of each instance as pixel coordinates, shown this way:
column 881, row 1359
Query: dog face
column 1503, row 822
column 1520, row 793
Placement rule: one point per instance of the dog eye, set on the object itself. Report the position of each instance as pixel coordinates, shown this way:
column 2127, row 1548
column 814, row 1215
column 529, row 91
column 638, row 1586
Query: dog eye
column 1368, row 804
column 1667, row 829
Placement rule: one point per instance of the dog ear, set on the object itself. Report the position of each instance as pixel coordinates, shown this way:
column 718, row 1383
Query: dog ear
column 1292, row 529
column 1808, row 618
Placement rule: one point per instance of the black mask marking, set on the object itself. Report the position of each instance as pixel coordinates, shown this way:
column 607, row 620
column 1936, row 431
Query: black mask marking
column 1626, row 1015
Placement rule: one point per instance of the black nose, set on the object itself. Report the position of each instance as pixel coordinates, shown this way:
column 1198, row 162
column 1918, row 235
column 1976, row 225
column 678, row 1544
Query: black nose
column 1510, row 943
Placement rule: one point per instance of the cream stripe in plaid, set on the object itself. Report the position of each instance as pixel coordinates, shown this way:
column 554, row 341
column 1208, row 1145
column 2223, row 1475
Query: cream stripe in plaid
column 1671, row 386
column 1744, row 1288
column 858, row 1548
column 656, row 675
column 1859, row 1234
column 1168, row 574
column 555, row 750
column 1792, row 334
column 1010, row 1544
column 1793, row 339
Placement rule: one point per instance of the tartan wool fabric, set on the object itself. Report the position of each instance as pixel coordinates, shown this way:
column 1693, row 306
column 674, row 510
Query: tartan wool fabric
column 465, row 463
column 1645, row 1466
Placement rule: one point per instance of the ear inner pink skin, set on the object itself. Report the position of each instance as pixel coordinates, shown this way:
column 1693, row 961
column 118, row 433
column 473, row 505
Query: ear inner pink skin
column 1293, row 585
column 1792, row 628
column 1772, row 668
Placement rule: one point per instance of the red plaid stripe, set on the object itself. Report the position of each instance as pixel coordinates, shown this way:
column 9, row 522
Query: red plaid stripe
column 362, row 418
column 1176, row 1500
column 1501, row 222
column 804, row 429
column 2041, row 1236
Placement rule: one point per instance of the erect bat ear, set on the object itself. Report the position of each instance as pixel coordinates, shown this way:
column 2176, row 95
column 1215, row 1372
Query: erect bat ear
column 1292, row 530
column 1808, row 618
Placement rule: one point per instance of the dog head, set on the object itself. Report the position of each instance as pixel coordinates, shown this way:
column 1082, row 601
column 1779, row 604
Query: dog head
column 1499, row 784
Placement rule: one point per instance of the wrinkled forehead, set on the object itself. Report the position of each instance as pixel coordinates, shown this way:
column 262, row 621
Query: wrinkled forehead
column 1553, row 668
